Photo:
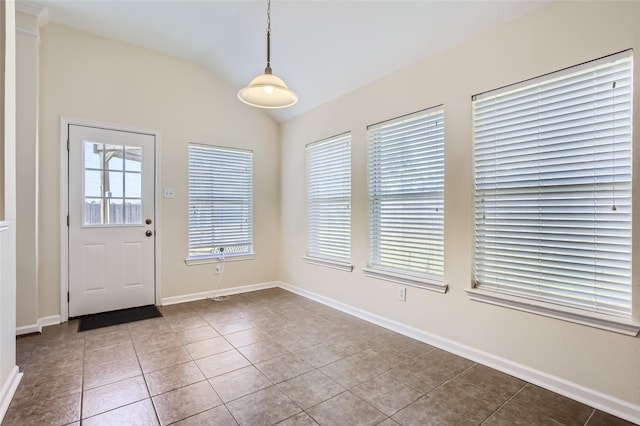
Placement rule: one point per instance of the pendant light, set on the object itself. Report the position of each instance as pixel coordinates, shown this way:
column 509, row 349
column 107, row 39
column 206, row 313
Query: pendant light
column 268, row 90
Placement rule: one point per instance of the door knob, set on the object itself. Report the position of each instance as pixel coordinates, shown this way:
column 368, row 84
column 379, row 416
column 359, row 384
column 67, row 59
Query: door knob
column 148, row 233
column 148, row 221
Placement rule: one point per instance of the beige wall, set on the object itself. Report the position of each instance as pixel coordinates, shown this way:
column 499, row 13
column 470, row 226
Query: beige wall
column 556, row 36
column 90, row 77
column 27, row 42
column 9, row 376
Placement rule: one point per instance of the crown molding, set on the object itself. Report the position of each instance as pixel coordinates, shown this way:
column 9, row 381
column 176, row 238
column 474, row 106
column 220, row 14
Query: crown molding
column 33, row 9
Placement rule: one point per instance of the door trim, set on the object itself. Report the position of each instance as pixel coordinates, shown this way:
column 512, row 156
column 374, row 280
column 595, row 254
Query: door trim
column 64, row 203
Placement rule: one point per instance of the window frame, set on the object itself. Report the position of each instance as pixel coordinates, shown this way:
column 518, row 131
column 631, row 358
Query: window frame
column 321, row 172
column 510, row 299
column 192, row 259
column 377, row 190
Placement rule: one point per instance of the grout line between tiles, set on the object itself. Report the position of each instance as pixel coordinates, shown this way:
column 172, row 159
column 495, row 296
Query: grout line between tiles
column 155, row 411
column 505, row 403
column 590, row 416
column 84, row 345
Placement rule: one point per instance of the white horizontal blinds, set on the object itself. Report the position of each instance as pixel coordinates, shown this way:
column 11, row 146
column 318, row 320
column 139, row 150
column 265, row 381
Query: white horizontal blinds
column 220, row 201
column 329, row 198
column 406, row 194
column 553, row 188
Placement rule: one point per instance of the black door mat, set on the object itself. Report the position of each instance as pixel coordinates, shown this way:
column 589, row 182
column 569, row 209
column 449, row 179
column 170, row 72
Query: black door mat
column 122, row 316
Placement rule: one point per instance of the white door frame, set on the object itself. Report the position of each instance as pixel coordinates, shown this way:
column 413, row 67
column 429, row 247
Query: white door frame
column 64, row 203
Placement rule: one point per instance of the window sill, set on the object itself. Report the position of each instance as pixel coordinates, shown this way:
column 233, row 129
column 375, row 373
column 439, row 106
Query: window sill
column 406, row 279
column 202, row 260
column 343, row 266
column 604, row 322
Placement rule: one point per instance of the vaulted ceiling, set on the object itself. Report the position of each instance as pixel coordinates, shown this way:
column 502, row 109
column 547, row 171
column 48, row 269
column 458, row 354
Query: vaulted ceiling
column 322, row 49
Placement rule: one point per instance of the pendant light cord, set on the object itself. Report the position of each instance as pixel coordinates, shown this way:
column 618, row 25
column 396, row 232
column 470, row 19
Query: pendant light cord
column 267, row 70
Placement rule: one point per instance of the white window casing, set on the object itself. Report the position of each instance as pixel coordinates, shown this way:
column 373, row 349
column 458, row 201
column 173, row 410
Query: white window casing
column 552, row 169
column 220, row 203
column 406, row 200
column 329, row 202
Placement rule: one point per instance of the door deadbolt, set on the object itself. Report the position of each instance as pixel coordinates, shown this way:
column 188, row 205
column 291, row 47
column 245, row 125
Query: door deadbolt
column 148, row 233
column 148, row 221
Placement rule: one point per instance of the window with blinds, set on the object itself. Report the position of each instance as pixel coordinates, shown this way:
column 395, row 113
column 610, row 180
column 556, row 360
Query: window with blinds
column 220, row 201
column 553, row 188
column 329, row 199
column 406, row 195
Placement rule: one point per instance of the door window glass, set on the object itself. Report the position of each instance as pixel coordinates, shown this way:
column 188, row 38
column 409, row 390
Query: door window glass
column 112, row 184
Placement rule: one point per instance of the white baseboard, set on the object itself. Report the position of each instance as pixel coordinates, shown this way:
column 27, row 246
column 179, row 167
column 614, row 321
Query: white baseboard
column 8, row 390
column 37, row 328
column 55, row 319
column 593, row 398
column 50, row 320
column 222, row 292
column 28, row 329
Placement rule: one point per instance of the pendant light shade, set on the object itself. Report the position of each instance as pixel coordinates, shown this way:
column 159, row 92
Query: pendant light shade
column 268, row 90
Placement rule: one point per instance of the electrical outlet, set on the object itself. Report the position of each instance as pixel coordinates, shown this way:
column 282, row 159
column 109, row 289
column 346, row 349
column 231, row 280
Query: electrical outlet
column 402, row 293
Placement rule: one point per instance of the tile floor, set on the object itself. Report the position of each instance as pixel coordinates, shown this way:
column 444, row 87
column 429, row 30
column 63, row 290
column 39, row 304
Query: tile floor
column 264, row 358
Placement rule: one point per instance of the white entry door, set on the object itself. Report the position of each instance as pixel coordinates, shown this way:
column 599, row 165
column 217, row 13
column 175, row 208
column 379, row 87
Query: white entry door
column 111, row 220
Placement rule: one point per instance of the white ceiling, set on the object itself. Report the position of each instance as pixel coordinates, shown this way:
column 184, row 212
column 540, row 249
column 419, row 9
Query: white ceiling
column 322, row 49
